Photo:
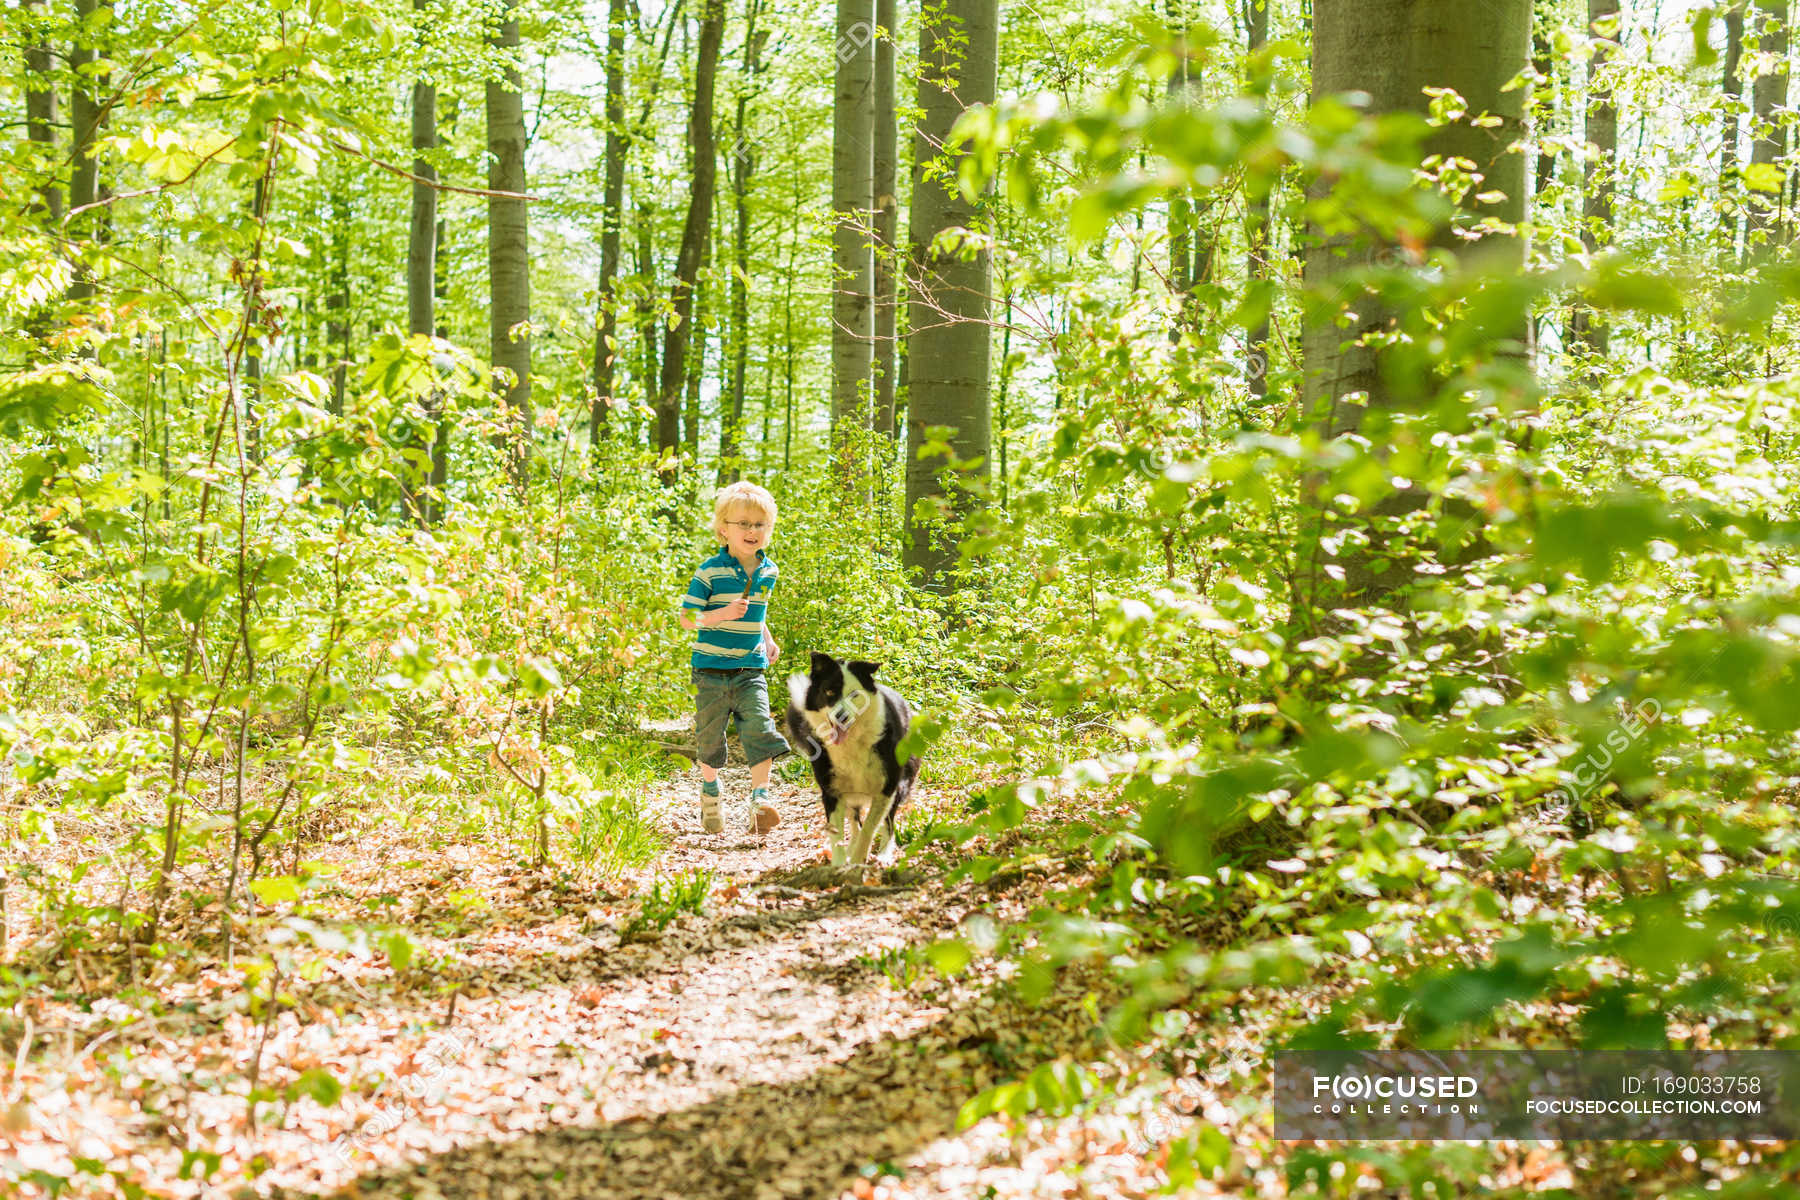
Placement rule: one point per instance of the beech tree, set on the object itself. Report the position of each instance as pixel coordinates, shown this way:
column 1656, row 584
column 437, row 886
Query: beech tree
column 612, row 214
column 887, row 215
column 1477, row 54
column 1256, row 223
column 40, row 107
column 422, row 269
column 947, row 337
column 509, row 249
column 1768, row 178
column 695, row 231
column 852, row 189
column 1587, row 329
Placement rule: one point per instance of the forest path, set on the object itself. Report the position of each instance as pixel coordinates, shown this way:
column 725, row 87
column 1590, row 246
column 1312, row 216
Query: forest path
column 753, row 1050
column 789, row 1039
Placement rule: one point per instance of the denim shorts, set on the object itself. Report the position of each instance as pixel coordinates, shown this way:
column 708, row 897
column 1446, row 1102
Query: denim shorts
column 745, row 694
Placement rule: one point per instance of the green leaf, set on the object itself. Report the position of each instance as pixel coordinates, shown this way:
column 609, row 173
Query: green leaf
column 400, row 950
column 539, row 675
column 318, row 1085
column 950, row 956
column 282, row 889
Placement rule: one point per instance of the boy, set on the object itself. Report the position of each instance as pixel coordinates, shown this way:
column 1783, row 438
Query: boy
column 726, row 603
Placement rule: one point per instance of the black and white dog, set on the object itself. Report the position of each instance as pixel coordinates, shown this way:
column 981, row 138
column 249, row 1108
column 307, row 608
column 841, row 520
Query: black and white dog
column 851, row 728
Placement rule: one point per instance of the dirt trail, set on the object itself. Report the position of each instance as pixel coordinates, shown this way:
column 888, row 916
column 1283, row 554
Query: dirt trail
column 744, row 1052
column 539, row 1047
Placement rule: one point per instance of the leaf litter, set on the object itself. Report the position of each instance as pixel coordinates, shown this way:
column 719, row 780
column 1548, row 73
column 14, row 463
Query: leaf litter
column 753, row 1049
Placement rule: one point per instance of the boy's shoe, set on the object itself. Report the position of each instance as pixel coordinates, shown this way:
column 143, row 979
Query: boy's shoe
column 710, row 819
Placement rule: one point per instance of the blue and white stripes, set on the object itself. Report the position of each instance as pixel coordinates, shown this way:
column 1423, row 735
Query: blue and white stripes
column 718, row 581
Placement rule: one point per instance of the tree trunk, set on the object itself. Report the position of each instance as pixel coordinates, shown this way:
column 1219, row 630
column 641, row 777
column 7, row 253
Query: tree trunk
column 509, row 251
column 887, row 215
column 1768, row 97
column 421, row 277
column 1181, row 203
column 947, row 309
column 742, row 166
column 612, row 214
column 40, row 112
column 694, row 374
column 1256, row 264
column 852, row 193
column 1544, row 66
column 421, row 242
column 646, row 314
column 253, row 329
column 1392, row 49
column 440, row 270
column 1587, row 332
column 337, row 303
column 787, row 309
column 93, row 18
column 694, row 231
column 1731, row 87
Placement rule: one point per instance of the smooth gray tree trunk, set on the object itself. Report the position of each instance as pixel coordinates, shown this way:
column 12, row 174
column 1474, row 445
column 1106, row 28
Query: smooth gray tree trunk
column 612, row 214
column 947, row 357
column 852, row 193
column 695, row 230
column 440, row 252
column 1256, row 232
column 1392, row 50
column 741, row 165
column 646, row 306
column 1544, row 64
column 337, row 302
column 1587, row 329
column 421, row 268
column 1731, row 87
column 40, row 113
column 1184, row 235
column 887, row 216
column 1768, row 147
column 85, row 119
column 509, row 250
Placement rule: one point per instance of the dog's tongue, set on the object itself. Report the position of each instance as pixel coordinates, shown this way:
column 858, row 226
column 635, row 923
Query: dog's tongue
column 838, row 733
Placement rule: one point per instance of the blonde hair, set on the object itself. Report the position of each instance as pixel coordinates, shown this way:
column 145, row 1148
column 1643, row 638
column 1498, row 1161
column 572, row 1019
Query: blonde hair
column 747, row 494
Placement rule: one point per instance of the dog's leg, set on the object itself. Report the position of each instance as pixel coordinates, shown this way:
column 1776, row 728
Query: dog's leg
column 878, row 810
column 890, row 847
column 834, row 823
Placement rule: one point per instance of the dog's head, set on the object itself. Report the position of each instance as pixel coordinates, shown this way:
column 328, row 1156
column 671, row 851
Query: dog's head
column 833, row 694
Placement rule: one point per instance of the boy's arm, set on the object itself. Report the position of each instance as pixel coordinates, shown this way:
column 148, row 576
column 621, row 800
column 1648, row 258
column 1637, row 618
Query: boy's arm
column 693, row 604
column 770, row 648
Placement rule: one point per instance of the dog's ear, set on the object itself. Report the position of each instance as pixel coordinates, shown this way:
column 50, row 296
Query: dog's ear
column 864, row 671
column 820, row 661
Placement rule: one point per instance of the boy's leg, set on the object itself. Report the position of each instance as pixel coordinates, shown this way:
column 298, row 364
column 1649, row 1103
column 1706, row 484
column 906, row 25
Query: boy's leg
column 712, row 703
column 762, row 740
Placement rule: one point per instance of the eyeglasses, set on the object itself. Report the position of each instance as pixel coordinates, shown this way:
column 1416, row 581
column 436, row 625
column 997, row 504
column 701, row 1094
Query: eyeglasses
column 750, row 526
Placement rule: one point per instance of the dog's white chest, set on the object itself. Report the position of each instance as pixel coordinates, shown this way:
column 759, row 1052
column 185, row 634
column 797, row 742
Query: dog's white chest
column 855, row 767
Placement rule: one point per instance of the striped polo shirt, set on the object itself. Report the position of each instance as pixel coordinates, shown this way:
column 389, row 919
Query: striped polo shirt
column 718, row 581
